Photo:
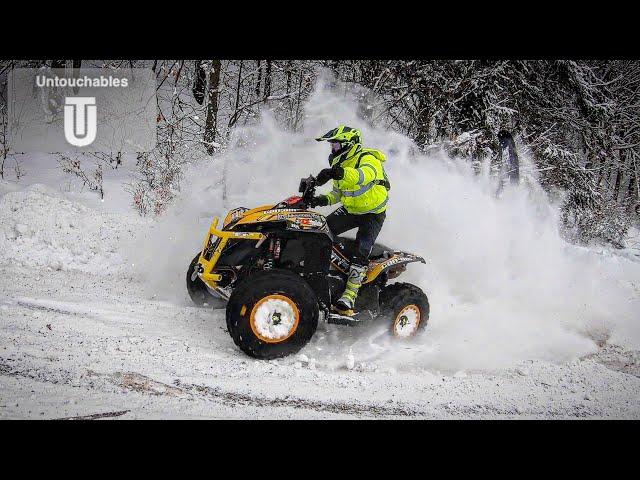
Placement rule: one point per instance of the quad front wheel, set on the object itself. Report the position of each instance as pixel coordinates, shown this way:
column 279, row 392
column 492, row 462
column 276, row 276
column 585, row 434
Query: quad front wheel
column 272, row 314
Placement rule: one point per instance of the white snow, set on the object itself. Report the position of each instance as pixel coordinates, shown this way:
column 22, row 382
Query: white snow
column 95, row 319
column 40, row 228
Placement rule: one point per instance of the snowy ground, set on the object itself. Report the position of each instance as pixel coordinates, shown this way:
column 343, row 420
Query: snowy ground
column 82, row 337
column 101, row 347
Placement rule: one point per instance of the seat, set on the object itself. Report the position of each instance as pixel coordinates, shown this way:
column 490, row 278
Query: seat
column 349, row 246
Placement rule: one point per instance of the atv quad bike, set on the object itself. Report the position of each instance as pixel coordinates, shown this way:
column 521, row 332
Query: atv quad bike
column 278, row 267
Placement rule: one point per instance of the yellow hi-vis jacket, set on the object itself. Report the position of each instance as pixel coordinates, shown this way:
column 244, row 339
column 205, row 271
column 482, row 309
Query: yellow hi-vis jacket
column 364, row 187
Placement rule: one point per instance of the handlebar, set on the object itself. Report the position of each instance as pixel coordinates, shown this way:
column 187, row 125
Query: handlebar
column 307, row 188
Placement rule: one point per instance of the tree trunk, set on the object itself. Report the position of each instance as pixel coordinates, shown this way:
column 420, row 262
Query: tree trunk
column 259, row 79
column 212, row 107
column 626, row 167
column 288, row 70
column 617, row 184
column 295, row 123
column 76, row 73
column 512, row 163
column 199, row 82
column 267, row 81
column 234, row 118
column 634, row 183
column 4, row 156
column 3, row 132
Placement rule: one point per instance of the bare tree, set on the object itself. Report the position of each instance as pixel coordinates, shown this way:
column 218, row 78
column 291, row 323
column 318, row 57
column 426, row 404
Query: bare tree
column 73, row 166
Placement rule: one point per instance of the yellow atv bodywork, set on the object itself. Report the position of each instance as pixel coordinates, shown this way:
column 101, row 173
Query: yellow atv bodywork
column 208, row 266
column 267, row 213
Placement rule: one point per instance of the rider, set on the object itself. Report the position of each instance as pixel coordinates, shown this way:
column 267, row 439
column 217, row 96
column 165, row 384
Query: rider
column 361, row 185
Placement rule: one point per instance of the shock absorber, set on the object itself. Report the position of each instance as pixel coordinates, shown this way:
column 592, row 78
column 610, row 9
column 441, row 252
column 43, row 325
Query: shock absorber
column 273, row 253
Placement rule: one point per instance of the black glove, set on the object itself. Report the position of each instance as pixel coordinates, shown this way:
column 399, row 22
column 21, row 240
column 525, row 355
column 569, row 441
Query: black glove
column 321, row 201
column 335, row 173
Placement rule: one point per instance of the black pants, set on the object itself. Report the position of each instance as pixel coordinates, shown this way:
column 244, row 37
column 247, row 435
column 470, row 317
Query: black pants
column 368, row 225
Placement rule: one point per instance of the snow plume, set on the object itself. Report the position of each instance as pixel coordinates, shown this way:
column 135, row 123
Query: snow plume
column 503, row 285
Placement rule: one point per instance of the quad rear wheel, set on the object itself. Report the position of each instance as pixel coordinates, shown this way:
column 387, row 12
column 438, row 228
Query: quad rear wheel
column 272, row 314
column 407, row 307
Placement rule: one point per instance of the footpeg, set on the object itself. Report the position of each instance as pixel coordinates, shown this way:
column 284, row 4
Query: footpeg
column 347, row 312
column 356, row 319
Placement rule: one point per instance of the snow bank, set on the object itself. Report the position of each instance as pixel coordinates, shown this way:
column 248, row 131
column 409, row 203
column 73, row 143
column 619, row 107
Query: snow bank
column 504, row 287
column 39, row 227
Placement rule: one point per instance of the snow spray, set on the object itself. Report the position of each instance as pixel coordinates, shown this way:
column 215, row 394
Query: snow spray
column 503, row 285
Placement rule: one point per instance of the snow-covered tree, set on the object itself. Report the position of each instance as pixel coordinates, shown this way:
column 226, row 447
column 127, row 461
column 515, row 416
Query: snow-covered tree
column 578, row 118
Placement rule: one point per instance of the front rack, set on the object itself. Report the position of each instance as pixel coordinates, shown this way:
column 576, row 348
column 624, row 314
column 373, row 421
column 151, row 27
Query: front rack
column 208, row 265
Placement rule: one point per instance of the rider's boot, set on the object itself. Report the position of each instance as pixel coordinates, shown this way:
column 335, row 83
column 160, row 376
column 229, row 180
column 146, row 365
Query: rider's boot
column 346, row 302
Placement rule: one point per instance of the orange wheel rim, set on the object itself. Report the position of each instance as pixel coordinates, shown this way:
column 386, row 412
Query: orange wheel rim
column 407, row 321
column 274, row 318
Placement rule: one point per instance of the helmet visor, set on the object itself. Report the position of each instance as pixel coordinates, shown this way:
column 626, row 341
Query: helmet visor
column 335, row 146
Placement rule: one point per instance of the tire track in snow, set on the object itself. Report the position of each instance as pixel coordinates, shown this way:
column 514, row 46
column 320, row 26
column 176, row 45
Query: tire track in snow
column 356, row 409
column 101, row 315
column 96, row 416
column 135, row 382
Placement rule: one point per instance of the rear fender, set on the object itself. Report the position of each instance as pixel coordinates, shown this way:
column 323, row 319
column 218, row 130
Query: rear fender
column 394, row 265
